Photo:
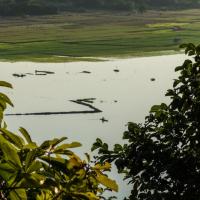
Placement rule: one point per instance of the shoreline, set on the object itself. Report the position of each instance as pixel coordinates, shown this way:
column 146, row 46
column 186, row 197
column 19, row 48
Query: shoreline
column 97, row 36
column 68, row 59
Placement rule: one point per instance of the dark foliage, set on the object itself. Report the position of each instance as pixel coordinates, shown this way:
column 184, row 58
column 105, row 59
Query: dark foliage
column 39, row 7
column 162, row 156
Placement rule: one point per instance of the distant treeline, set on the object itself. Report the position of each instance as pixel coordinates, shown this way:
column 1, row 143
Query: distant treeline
column 39, row 7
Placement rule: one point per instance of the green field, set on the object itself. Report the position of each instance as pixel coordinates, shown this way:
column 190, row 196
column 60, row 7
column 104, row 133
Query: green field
column 80, row 36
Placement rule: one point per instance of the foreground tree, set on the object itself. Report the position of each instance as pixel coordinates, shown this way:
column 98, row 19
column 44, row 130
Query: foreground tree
column 50, row 171
column 162, row 157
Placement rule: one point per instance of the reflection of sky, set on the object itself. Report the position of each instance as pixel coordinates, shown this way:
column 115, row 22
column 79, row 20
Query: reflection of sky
column 131, row 87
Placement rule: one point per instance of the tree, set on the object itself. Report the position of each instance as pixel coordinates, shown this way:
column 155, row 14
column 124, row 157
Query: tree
column 50, row 171
column 162, row 156
column 42, row 7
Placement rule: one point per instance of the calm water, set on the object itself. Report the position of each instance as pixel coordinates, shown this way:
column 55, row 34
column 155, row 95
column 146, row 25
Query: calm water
column 123, row 96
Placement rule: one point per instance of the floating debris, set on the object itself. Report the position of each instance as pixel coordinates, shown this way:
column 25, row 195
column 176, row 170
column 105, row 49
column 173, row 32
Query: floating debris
column 29, row 74
column 103, row 120
column 86, row 72
column 44, row 72
column 115, row 101
column 153, row 79
column 19, row 75
column 88, row 100
column 85, row 102
column 116, row 70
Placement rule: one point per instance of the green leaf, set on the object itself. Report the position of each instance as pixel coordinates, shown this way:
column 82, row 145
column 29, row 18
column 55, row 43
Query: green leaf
column 179, row 68
column 33, row 180
column 52, row 143
column 183, row 46
column 30, row 157
column 3, row 105
column 88, row 157
column 117, row 148
column 45, row 145
column 13, row 138
column 56, row 141
column 104, row 180
column 3, row 97
column 98, row 140
column 191, row 53
column 63, row 152
column 10, row 153
column 170, row 93
column 18, row 194
column 31, row 145
column 105, row 166
column 6, row 171
column 163, row 106
column 87, row 195
column 58, row 163
column 126, row 135
column 67, row 146
column 34, row 167
column 26, row 135
column 97, row 144
column 176, row 82
column 133, row 127
column 155, row 108
column 5, row 84
column 4, row 125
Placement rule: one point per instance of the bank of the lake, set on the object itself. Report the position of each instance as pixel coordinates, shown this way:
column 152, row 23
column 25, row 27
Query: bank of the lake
column 88, row 36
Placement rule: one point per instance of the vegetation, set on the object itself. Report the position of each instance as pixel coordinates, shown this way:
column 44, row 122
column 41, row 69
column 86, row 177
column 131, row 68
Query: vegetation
column 162, row 156
column 65, row 37
column 40, row 7
column 50, row 171
column 170, row 4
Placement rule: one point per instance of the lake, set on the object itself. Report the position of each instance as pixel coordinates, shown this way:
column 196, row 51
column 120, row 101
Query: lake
column 123, row 89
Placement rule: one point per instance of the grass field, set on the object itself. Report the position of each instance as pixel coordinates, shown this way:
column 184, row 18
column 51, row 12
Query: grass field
column 80, row 36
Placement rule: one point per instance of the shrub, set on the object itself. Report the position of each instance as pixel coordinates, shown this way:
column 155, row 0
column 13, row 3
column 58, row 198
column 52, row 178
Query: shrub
column 162, row 156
